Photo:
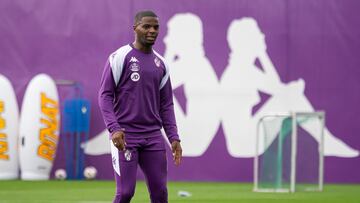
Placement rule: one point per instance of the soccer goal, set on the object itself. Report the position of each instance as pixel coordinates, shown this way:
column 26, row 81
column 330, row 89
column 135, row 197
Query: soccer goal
column 289, row 152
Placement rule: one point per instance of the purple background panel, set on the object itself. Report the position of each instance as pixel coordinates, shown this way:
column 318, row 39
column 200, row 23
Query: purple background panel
column 317, row 40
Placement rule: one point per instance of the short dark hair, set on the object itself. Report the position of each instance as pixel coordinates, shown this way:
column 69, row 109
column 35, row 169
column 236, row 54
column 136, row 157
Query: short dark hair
column 139, row 15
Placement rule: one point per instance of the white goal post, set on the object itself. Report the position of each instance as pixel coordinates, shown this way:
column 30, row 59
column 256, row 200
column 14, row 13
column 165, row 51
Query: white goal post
column 277, row 152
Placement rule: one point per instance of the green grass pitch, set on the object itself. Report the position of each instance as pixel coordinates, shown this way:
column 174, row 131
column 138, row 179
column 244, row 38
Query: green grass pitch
column 202, row 192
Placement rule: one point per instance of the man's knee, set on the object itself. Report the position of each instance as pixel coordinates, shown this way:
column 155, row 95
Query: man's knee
column 124, row 197
column 159, row 196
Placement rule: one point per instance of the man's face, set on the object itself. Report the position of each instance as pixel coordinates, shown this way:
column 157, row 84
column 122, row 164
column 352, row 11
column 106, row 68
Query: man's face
column 147, row 30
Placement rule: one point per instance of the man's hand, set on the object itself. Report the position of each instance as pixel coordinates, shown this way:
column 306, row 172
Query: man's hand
column 118, row 139
column 177, row 152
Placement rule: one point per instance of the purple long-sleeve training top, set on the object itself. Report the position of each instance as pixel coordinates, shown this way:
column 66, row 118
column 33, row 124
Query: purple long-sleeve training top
column 136, row 94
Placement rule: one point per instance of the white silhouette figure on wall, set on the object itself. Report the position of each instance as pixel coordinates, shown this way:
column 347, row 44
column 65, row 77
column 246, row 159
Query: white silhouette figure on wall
column 190, row 67
column 240, row 84
column 231, row 100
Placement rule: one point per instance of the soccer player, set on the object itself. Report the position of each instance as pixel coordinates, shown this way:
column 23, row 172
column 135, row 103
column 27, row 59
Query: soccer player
column 136, row 101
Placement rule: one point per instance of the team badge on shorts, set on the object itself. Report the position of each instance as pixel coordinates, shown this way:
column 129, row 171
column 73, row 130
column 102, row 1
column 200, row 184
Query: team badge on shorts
column 127, row 155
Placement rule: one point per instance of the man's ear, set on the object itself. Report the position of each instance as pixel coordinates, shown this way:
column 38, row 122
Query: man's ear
column 134, row 27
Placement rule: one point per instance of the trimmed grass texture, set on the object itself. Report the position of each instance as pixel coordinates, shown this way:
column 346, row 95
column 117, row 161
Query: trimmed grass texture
column 201, row 192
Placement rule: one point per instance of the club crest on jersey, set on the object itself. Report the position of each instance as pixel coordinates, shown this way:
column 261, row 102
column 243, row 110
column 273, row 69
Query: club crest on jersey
column 135, row 76
column 157, row 61
column 134, row 67
column 127, row 155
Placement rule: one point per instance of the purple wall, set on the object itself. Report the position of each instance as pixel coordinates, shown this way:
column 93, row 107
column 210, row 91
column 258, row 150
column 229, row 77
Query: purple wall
column 317, row 40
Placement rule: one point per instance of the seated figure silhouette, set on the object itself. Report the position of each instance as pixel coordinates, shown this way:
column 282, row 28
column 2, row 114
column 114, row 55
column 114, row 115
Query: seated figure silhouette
column 192, row 71
column 240, row 85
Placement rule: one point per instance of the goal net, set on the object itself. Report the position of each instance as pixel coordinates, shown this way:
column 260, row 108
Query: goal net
column 289, row 152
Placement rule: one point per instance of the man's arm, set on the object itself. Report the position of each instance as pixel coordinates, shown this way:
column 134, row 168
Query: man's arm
column 168, row 120
column 106, row 99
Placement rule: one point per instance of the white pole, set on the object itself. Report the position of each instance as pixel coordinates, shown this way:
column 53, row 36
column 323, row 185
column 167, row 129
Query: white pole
column 321, row 153
column 293, row 152
column 256, row 157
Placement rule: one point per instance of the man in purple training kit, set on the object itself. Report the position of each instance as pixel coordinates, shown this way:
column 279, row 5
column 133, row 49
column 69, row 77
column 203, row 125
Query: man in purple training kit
column 136, row 101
